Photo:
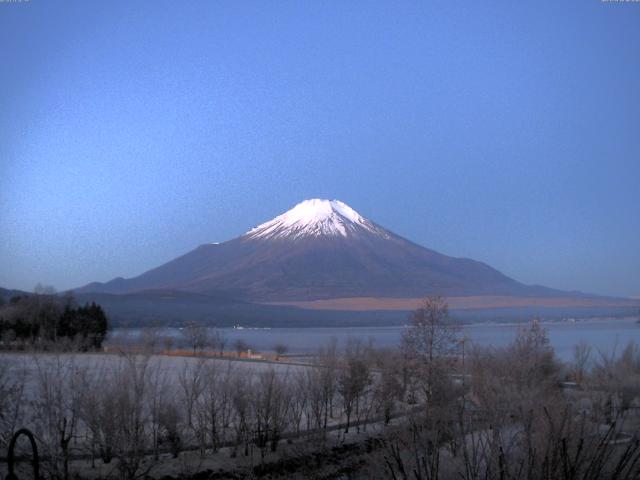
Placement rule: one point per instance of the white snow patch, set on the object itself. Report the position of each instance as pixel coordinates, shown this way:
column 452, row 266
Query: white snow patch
column 316, row 217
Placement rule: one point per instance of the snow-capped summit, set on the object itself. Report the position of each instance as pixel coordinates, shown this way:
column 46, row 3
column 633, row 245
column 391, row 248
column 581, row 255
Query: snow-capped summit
column 313, row 218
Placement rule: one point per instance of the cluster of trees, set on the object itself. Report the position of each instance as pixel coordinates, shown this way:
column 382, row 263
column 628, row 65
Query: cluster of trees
column 127, row 409
column 45, row 318
column 483, row 413
column 198, row 338
column 506, row 414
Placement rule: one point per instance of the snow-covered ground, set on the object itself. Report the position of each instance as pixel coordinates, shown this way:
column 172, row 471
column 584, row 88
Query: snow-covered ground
column 171, row 367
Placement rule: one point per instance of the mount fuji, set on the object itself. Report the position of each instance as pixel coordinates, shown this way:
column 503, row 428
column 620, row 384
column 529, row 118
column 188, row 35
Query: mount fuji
column 320, row 250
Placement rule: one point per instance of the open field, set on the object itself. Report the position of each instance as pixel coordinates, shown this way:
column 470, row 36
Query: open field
column 168, row 367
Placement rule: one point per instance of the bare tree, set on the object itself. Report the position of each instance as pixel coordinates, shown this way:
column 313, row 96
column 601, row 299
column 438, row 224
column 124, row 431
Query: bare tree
column 157, row 387
column 191, row 380
column 241, row 400
column 299, row 394
column 270, row 405
column 115, row 410
column 129, row 384
column 241, row 346
column 150, row 339
column 225, row 396
column 219, row 341
column 170, row 422
column 581, row 359
column 13, row 378
column 515, row 381
column 428, row 348
column 96, row 406
column 217, row 394
column 618, row 379
column 328, row 360
column 388, row 387
column 56, row 409
column 167, row 343
column 280, row 349
column 353, row 379
column 318, row 383
column 196, row 335
column 532, row 359
column 432, row 332
column 630, row 364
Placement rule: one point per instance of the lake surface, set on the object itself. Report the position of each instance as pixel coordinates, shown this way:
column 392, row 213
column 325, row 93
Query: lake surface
column 606, row 335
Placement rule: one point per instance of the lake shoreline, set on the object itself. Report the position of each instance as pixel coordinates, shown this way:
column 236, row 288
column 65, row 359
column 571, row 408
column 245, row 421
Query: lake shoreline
column 604, row 334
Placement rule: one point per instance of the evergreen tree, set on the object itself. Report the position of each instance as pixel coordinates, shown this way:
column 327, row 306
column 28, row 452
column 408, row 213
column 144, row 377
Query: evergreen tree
column 34, row 318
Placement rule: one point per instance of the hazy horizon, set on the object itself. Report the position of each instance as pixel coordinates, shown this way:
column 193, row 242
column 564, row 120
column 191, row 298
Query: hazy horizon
column 131, row 133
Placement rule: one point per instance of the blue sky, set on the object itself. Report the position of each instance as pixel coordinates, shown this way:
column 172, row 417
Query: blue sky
column 507, row 132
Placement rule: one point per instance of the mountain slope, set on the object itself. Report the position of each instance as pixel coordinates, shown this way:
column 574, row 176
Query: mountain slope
column 321, row 249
